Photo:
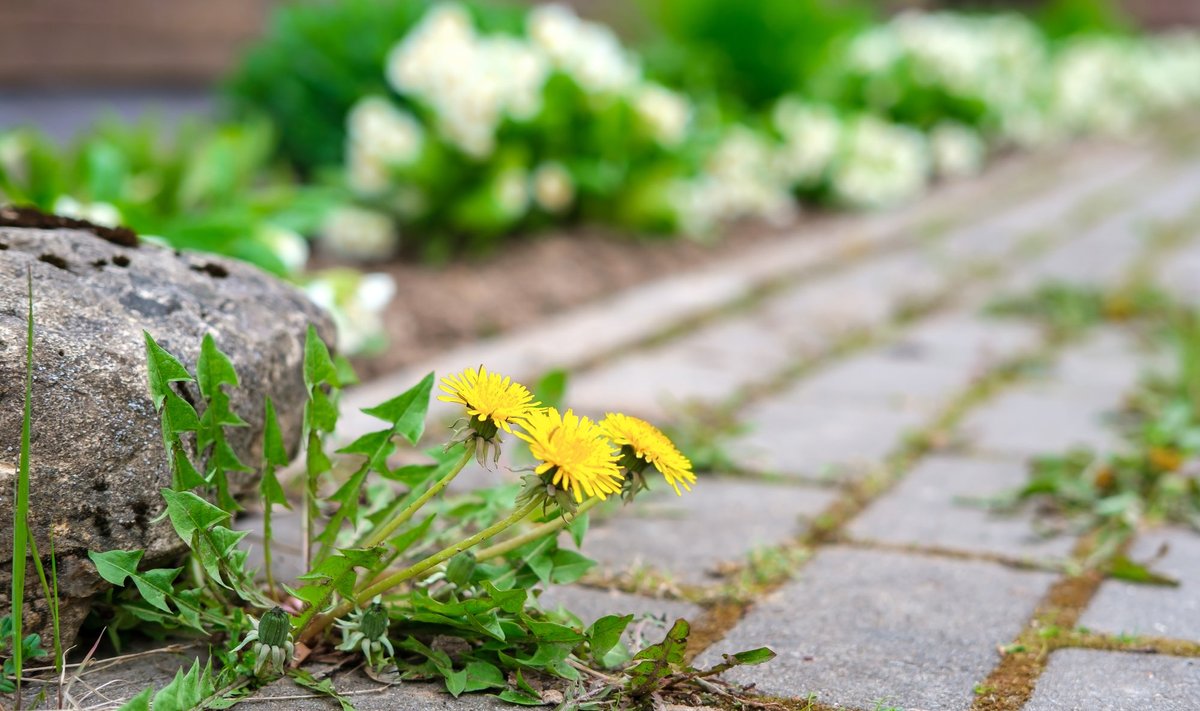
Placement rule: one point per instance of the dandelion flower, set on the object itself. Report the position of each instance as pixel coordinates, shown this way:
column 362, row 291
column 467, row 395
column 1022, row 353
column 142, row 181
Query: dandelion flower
column 488, row 397
column 574, row 452
column 647, row 443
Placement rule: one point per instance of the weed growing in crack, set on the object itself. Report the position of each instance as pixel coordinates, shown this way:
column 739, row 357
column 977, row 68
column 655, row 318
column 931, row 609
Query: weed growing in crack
column 414, row 584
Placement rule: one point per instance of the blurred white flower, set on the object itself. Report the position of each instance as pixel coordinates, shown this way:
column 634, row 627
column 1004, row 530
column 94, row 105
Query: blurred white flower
column 288, row 245
column 811, row 136
column 359, row 234
column 471, row 82
column 511, row 191
column 99, row 213
column 882, row 164
column 385, row 130
column 587, row 51
column 740, row 180
column 666, row 112
column 553, row 188
column 958, row 151
column 356, row 302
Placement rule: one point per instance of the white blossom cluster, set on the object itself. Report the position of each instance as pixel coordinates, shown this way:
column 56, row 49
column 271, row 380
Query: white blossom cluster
column 457, row 87
column 740, row 179
column 1109, row 84
column 880, row 164
column 996, row 60
column 470, row 82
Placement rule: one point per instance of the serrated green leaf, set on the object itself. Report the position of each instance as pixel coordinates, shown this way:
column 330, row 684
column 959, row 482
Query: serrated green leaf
column 213, row 369
column 189, row 513
column 578, row 529
column 406, row 412
column 751, row 657
column 178, row 415
column 155, row 586
column 482, row 675
column 605, row 633
column 520, row 698
column 321, row 412
column 318, row 366
column 141, row 702
column 163, row 369
column 569, row 566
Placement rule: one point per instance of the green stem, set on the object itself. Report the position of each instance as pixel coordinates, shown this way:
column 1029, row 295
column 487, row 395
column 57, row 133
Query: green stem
column 267, row 506
column 535, row 533
column 321, row 622
column 381, row 532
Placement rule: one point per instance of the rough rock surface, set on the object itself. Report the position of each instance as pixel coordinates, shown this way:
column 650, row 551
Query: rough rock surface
column 97, row 453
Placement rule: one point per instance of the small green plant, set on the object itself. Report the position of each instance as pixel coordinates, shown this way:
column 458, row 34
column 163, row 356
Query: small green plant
column 392, row 565
column 1070, row 309
column 1153, row 477
column 15, row 655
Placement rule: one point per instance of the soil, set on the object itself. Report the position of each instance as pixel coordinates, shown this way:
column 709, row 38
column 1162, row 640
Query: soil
column 439, row 307
column 14, row 216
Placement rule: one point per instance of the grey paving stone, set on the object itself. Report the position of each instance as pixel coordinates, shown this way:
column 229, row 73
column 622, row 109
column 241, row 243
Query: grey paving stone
column 862, row 626
column 928, row 508
column 1108, row 362
column 1124, row 608
column 1103, row 253
column 1003, row 233
column 1090, row 680
column 846, row 418
column 713, row 362
column 1064, row 408
column 833, row 439
column 1024, row 423
column 719, row 521
column 1180, row 274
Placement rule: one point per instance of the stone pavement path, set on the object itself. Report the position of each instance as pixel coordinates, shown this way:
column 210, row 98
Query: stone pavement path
column 873, row 395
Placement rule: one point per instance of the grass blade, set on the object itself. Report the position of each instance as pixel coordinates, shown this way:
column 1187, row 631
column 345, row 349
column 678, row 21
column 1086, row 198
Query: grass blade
column 21, row 506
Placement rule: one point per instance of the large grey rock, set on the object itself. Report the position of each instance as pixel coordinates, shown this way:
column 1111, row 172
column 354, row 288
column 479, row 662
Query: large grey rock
column 97, row 453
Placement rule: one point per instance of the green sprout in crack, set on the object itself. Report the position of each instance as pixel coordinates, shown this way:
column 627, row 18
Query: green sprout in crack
column 272, row 637
column 366, row 629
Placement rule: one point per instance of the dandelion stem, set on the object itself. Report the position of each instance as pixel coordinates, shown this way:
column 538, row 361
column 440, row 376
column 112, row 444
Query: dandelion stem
column 535, row 533
column 381, row 532
column 322, row 622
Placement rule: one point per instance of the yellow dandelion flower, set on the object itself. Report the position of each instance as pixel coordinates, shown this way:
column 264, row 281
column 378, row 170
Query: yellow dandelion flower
column 582, row 460
column 649, row 444
column 488, row 397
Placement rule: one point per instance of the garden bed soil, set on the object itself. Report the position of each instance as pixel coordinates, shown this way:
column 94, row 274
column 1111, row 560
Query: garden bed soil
column 439, row 307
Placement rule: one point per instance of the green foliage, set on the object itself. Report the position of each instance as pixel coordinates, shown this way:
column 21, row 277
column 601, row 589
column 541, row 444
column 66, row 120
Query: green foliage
column 1064, row 18
column 30, row 648
column 1069, row 309
column 1152, row 478
column 749, row 51
column 208, row 188
column 304, row 74
column 20, row 528
column 502, row 637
